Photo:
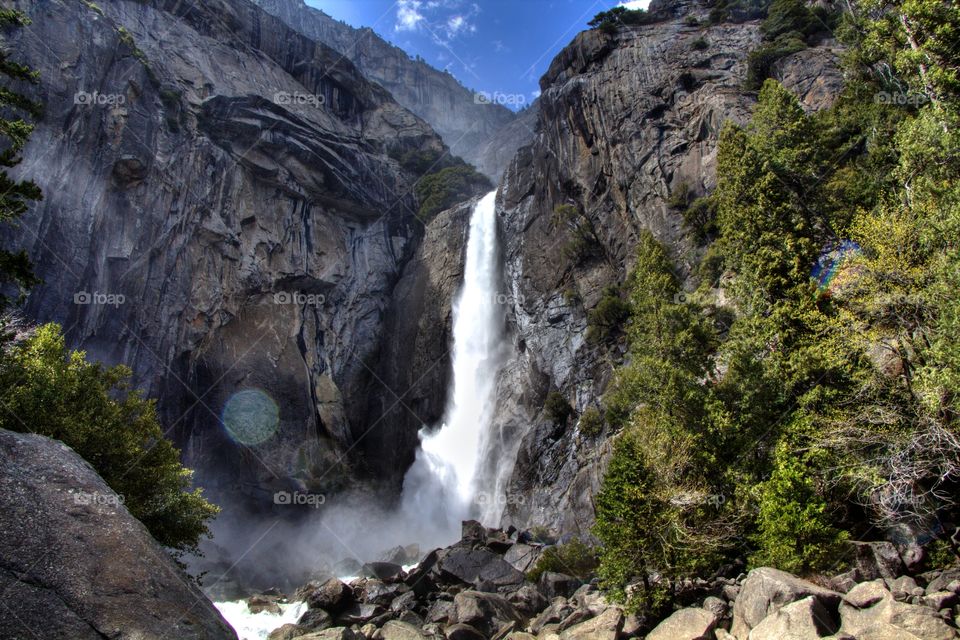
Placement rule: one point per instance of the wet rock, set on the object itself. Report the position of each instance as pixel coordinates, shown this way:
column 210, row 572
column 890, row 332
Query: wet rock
column 686, row 624
column 359, row 614
column 441, row 611
column 386, row 571
column 260, row 603
column 333, row 596
column 376, row 592
column 288, row 632
column 315, row 620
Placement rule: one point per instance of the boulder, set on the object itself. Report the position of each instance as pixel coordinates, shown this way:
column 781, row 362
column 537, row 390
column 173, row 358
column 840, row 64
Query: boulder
column 940, row 600
column 385, row 571
column 288, row 632
column 396, row 630
column 877, row 560
column 358, row 613
column 887, row 612
column 460, row 631
column 260, row 603
column 948, row 580
column 376, row 592
column 867, row 594
column 75, row 564
column 441, row 611
column 606, row 626
column 336, row 633
column 557, row 584
column 487, row 612
column 558, row 610
column 903, row 587
column 766, row 589
column 333, row 596
column 686, row 624
column 522, row 557
column 473, row 566
column 805, row 619
column 404, row 602
column 716, row 606
column 315, row 620
column 520, row 635
column 528, row 600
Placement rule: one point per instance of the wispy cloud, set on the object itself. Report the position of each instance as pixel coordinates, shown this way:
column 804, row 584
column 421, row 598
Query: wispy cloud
column 409, row 17
column 442, row 20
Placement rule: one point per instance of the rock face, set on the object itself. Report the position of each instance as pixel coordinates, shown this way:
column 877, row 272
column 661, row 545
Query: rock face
column 624, row 121
column 75, row 564
column 464, row 118
column 222, row 215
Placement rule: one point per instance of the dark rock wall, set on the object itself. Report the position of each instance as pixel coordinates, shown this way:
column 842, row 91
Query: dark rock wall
column 255, row 240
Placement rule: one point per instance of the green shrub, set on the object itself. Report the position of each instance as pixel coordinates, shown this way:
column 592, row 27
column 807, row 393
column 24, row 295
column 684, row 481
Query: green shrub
column 760, row 61
column 606, row 320
column 448, row 187
column 46, row 389
column 584, row 243
column 556, row 408
column 573, row 559
column 700, row 44
column 691, row 21
column 610, row 21
column 591, row 422
column 700, row 219
column 680, row 197
column 795, row 533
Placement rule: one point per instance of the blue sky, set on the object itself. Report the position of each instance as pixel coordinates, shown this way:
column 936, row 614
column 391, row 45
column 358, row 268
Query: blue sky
column 499, row 47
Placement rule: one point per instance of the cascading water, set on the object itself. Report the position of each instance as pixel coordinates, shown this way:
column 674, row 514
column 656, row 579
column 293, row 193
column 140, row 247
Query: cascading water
column 442, row 486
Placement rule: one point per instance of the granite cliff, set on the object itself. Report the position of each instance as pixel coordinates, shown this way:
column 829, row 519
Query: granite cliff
column 465, row 119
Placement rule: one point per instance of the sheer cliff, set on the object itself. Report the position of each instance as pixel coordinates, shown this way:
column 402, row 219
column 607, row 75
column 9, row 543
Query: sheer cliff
column 458, row 114
column 221, row 213
column 627, row 118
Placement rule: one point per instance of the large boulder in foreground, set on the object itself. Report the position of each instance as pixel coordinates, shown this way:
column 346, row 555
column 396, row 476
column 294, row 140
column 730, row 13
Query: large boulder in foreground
column 75, row 564
column 767, row 590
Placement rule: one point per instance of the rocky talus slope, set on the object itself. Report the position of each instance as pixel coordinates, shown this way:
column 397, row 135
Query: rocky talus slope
column 625, row 120
column 477, row 590
column 465, row 121
column 77, row 565
column 221, row 213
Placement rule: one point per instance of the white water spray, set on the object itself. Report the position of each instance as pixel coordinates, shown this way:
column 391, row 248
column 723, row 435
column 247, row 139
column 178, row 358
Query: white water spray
column 441, row 487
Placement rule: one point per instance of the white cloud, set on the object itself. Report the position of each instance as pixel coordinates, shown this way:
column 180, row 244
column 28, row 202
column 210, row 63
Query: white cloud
column 636, row 4
column 408, row 15
column 444, row 20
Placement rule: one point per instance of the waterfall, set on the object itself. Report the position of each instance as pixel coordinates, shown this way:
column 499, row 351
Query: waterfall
column 442, row 486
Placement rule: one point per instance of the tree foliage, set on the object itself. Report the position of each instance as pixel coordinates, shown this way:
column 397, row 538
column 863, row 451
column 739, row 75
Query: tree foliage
column 813, row 399
column 46, row 389
column 16, row 271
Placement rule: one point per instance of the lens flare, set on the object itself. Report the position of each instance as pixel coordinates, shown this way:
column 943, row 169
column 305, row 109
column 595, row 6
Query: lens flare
column 251, row 416
column 830, row 265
